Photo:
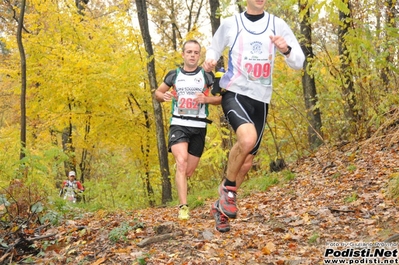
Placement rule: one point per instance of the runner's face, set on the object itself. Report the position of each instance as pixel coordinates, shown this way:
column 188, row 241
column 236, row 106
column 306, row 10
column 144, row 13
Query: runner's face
column 255, row 7
column 191, row 55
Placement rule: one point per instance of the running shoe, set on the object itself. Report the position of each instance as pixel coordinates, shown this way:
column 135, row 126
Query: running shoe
column 184, row 213
column 222, row 221
column 227, row 200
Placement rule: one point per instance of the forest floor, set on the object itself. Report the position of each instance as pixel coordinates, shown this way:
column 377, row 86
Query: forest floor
column 339, row 196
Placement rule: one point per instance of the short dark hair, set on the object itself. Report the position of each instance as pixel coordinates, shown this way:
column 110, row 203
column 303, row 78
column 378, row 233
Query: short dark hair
column 190, row 41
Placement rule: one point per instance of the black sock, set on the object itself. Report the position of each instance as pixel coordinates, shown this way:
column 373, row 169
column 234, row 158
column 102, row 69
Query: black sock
column 181, row 205
column 229, row 183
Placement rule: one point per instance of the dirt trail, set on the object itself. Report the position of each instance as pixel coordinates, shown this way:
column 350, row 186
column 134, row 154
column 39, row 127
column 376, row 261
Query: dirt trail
column 338, row 195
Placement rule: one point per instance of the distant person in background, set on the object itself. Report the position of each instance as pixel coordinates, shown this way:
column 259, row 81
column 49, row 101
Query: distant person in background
column 190, row 86
column 72, row 189
column 253, row 37
column 72, row 182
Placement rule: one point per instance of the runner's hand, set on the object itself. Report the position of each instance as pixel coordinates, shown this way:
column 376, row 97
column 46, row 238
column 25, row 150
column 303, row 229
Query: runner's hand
column 167, row 96
column 209, row 65
column 200, row 98
column 280, row 43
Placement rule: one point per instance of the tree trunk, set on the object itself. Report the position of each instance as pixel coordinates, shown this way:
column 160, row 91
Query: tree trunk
column 67, row 147
column 23, row 79
column 175, row 28
column 240, row 6
column 161, row 143
column 84, row 164
column 215, row 19
column 227, row 138
column 348, row 89
column 391, row 13
column 145, row 150
column 80, row 5
column 308, row 82
column 215, row 23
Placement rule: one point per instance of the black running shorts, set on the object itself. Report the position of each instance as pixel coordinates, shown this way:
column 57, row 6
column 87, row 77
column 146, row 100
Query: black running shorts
column 195, row 137
column 239, row 109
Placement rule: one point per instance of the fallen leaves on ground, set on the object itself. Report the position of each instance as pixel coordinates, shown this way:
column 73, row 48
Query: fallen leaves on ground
column 339, row 194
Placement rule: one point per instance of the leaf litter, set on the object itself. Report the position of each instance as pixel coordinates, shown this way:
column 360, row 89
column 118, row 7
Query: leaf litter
column 339, row 194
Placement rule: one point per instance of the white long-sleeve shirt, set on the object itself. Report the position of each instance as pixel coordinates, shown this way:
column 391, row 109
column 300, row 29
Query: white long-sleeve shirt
column 251, row 54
